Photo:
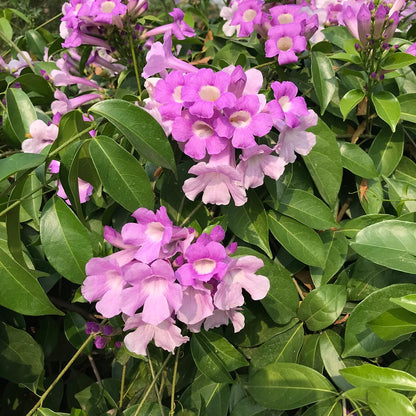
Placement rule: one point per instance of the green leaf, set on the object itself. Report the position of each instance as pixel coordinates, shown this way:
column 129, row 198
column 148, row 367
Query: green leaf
column 389, row 243
column 387, row 150
column 351, row 227
column 283, row 348
column 407, row 106
column 36, row 43
column 336, row 247
column 37, row 88
column 21, row 292
column 249, row 222
column 387, row 107
column 32, row 204
column 65, row 240
column 406, row 171
column 21, row 358
column 393, row 324
column 298, row 239
column 330, row 407
column 6, row 28
column 356, row 160
column 384, row 402
column 123, row 177
column 20, row 111
column 323, row 78
column 74, row 328
column 310, row 354
column 407, row 302
column 360, row 340
column 140, row 129
column 398, row 60
column 324, row 163
column 331, row 346
column 368, row 375
column 402, row 196
column 285, row 386
column 338, row 35
column 215, row 356
column 148, row 409
column 371, row 194
column 248, row 407
column 322, row 306
column 19, row 162
column 307, row 209
column 350, row 100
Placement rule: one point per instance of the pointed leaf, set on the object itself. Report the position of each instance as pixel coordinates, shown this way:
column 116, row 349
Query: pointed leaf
column 398, row 60
column 123, row 177
column 356, row 160
column 387, row 107
column 407, row 107
column 393, row 324
column 407, row 302
column 140, row 129
column 384, row 402
column 349, row 101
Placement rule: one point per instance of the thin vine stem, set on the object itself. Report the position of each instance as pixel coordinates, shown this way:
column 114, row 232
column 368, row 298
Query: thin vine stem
column 136, row 68
column 152, row 372
column 175, row 372
column 123, row 380
column 17, row 49
column 185, row 221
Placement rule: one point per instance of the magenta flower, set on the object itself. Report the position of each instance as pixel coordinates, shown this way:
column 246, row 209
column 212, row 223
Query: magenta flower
column 151, row 233
column 220, row 317
column 296, row 140
column 248, row 14
column 204, row 261
column 165, row 334
column 287, row 13
column 256, row 162
column 285, row 41
column 244, row 82
column 244, row 121
column 241, row 275
column 40, row 135
column 205, row 91
column 103, row 11
column 217, row 182
column 199, row 135
column 167, row 92
column 104, row 282
column 153, row 288
column 286, row 105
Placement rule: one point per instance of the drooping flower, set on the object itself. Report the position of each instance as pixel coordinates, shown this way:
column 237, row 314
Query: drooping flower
column 40, row 135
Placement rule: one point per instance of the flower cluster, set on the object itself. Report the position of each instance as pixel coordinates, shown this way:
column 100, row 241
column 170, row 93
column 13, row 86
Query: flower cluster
column 164, row 272
column 216, row 116
column 103, row 335
column 284, row 27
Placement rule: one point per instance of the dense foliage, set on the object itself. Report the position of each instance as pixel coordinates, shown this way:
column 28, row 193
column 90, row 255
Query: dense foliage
column 208, row 209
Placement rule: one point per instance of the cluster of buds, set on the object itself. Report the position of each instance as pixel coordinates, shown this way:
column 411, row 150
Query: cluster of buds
column 103, row 335
column 164, row 274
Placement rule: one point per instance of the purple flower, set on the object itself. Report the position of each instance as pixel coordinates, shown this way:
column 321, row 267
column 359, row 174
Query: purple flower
column 221, row 317
column 165, row 334
column 167, row 92
column 104, row 11
column 217, row 182
column 287, row 13
column 40, row 135
column 285, row 41
column 100, row 342
column 92, row 327
column 248, row 14
column 205, row 91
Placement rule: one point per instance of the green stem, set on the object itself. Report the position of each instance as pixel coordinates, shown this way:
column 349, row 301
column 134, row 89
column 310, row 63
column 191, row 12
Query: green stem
column 149, row 389
column 48, row 21
column 152, row 372
column 16, row 48
column 175, row 372
column 178, row 217
column 61, row 374
column 265, row 64
column 192, row 213
column 136, row 68
column 123, row 380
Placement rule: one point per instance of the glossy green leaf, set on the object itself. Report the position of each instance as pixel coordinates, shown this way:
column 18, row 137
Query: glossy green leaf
column 384, row 402
column 368, row 375
column 398, row 60
column 356, row 160
column 389, row 243
column 140, row 128
column 310, row 354
column 360, row 340
column 338, row 35
column 283, row 348
column 20, row 111
column 406, row 171
column 32, row 204
column 330, row 407
column 407, row 106
column 298, row 239
column 202, row 390
column 74, row 328
column 148, row 409
column 323, row 78
column 351, row 227
column 285, row 386
column 387, row 150
column 123, row 177
column 331, row 346
column 394, row 323
column 336, row 247
column 307, row 209
column 21, row 358
column 19, row 162
column 215, row 356
column 249, row 222
column 21, row 292
column 37, row 88
column 407, row 302
column 65, row 240
column 402, row 196
column 371, row 194
column 324, row 163
column 35, row 42
column 350, row 100
column 322, row 306
column 248, row 407
column 6, row 28
column 387, row 107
